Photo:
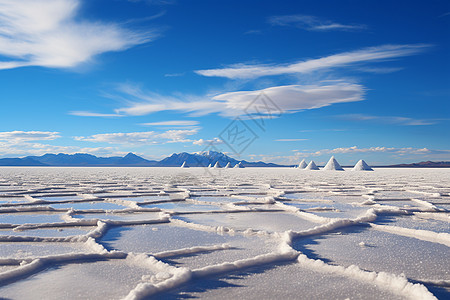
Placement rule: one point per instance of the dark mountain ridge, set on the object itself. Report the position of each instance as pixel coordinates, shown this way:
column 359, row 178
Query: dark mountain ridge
column 202, row 159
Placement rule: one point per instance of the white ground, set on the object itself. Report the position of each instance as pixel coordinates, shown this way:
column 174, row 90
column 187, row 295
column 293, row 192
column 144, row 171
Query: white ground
column 254, row 233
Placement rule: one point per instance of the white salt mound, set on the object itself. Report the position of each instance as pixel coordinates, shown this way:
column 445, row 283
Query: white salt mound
column 217, row 166
column 333, row 165
column 184, row 165
column 302, row 164
column 228, row 165
column 238, row 165
column 311, row 166
column 362, row 166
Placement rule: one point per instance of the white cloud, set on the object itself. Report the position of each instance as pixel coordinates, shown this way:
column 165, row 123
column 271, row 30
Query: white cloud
column 393, row 150
column 288, row 99
column 313, row 23
column 202, row 142
column 349, row 155
column 245, row 71
column 26, row 148
column 292, row 98
column 172, row 123
column 21, row 136
column 141, row 138
column 388, row 120
column 50, row 33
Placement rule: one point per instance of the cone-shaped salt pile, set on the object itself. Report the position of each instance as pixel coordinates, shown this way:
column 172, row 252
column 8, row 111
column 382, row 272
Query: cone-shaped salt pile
column 311, row 166
column 217, row 166
column 238, row 165
column 184, row 165
column 362, row 166
column 228, row 165
column 302, row 164
column 209, row 166
column 333, row 165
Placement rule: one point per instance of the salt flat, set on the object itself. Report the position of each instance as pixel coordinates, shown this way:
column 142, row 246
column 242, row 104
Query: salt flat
column 142, row 233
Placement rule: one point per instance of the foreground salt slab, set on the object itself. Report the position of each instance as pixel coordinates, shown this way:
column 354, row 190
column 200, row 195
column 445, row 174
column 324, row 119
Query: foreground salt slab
column 380, row 251
column 90, row 280
column 285, row 281
column 152, row 233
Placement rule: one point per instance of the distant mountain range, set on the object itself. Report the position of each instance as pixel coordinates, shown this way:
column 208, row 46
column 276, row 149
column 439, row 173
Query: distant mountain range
column 201, row 159
column 423, row 164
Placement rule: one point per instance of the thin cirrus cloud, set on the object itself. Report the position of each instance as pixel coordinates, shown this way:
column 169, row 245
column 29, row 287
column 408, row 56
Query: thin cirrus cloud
column 288, row 99
column 93, row 114
column 396, row 152
column 392, row 150
column 366, row 55
column 313, row 23
column 141, row 138
column 172, row 123
column 290, row 140
column 203, row 142
column 23, row 136
column 387, row 120
column 49, row 33
column 29, row 148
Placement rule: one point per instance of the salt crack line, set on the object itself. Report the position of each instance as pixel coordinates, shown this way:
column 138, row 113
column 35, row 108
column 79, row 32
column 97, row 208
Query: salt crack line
column 55, row 225
column 224, row 230
column 191, row 250
column 29, row 267
column 207, row 228
column 256, row 200
column 425, row 235
column 127, row 203
column 425, row 204
column 441, row 283
column 434, row 216
column 369, row 216
column 302, row 214
column 258, row 260
column 175, row 277
column 393, row 283
column 434, row 195
column 32, row 209
column 169, row 277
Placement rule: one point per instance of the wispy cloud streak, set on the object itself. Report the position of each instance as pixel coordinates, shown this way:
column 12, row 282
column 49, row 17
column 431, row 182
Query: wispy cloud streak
column 289, row 98
column 21, row 136
column 387, row 120
column 141, row 138
column 313, row 23
column 372, row 54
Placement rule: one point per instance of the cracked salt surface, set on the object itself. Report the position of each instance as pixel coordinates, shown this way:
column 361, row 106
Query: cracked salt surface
column 140, row 233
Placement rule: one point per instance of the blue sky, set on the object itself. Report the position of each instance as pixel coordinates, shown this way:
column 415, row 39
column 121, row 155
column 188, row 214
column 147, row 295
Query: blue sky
column 261, row 80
